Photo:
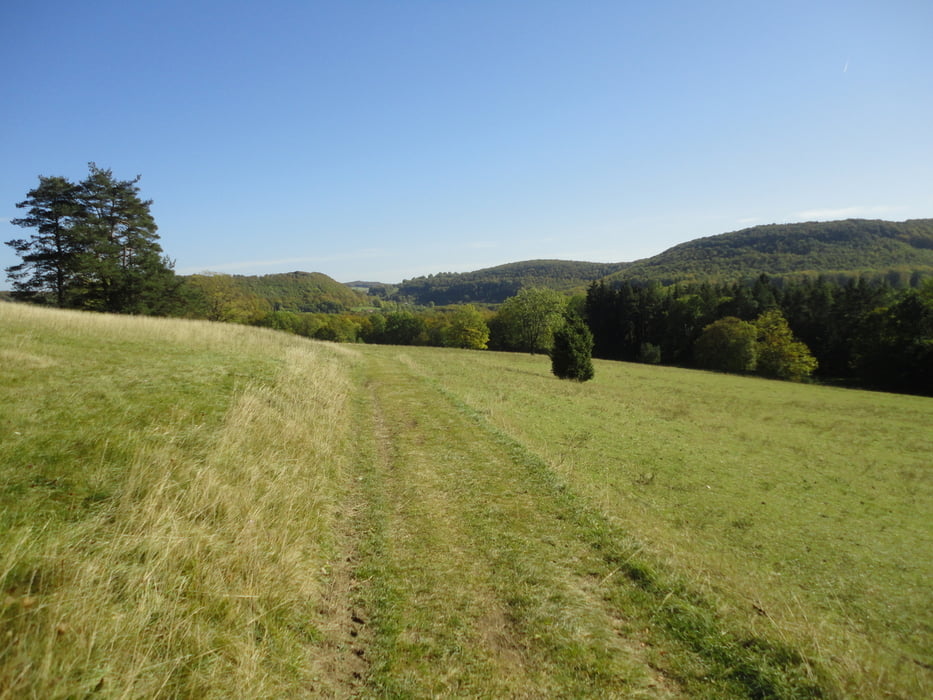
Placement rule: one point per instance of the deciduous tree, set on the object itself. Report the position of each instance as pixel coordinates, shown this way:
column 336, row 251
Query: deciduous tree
column 467, row 329
column 530, row 317
column 727, row 345
column 221, row 299
column 780, row 354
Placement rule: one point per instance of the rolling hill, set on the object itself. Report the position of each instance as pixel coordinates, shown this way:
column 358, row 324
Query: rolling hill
column 494, row 285
column 300, row 292
column 851, row 247
column 848, row 248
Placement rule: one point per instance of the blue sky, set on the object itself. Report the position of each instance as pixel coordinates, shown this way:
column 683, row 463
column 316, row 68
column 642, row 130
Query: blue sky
column 383, row 140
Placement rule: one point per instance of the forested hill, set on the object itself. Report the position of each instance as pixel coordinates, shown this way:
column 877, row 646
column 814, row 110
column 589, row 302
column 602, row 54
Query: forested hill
column 301, row 291
column 850, row 247
column 496, row 284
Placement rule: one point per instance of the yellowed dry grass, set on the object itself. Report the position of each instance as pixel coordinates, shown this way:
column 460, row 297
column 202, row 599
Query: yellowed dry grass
column 201, row 573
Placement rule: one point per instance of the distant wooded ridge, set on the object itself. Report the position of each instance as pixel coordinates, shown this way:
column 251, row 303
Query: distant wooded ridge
column 900, row 253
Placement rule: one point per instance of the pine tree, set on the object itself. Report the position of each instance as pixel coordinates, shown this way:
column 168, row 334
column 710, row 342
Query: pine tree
column 572, row 352
column 95, row 247
column 124, row 268
column 50, row 256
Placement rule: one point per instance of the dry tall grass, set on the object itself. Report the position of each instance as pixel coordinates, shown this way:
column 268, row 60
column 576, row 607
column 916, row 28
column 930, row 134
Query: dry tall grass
column 200, row 574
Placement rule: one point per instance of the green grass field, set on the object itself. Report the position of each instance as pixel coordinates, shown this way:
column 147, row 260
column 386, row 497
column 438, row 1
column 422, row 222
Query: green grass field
column 200, row 510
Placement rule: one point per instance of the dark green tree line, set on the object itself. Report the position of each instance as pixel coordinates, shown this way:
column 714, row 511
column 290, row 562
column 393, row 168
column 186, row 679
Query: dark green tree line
column 861, row 332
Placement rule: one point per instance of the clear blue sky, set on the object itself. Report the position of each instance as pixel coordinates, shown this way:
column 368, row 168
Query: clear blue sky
column 383, row 140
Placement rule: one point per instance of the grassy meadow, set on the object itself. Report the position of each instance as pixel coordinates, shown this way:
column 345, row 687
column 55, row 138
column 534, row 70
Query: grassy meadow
column 200, row 510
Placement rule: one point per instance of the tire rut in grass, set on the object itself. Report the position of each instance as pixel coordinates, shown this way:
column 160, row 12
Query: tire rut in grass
column 344, row 650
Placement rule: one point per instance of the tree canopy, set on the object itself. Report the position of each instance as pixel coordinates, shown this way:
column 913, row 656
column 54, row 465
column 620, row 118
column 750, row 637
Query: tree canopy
column 780, row 354
column 528, row 319
column 94, row 247
column 467, row 329
column 728, row 345
column 494, row 285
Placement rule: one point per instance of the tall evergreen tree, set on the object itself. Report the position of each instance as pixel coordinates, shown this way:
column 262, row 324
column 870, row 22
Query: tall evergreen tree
column 50, row 256
column 95, row 247
column 125, row 270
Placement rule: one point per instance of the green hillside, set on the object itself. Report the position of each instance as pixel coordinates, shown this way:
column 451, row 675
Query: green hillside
column 194, row 509
column 851, row 247
column 494, row 285
column 301, row 291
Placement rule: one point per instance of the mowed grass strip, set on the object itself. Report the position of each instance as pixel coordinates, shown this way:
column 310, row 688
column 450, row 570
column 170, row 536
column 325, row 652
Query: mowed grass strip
column 477, row 584
column 166, row 513
column 801, row 512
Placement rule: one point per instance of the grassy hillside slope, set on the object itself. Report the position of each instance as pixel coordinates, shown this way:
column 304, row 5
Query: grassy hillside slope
column 850, row 247
column 169, row 498
column 192, row 509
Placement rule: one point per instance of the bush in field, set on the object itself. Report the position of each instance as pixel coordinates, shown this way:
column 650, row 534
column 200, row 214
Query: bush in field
column 572, row 352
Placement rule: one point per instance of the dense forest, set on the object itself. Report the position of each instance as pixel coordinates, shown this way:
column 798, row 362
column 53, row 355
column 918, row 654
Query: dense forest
column 863, row 333
column 899, row 252
column 494, row 285
column 312, row 292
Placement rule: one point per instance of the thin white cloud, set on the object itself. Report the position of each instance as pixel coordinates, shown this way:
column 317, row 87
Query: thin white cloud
column 842, row 212
column 745, row 221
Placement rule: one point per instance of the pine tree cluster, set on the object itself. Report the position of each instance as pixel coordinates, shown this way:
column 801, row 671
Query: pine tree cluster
column 94, row 247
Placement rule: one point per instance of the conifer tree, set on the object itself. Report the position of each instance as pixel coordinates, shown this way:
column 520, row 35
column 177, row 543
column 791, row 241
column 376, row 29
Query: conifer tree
column 124, row 265
column 95, row 247
column 50, row 256
column 572, row 352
